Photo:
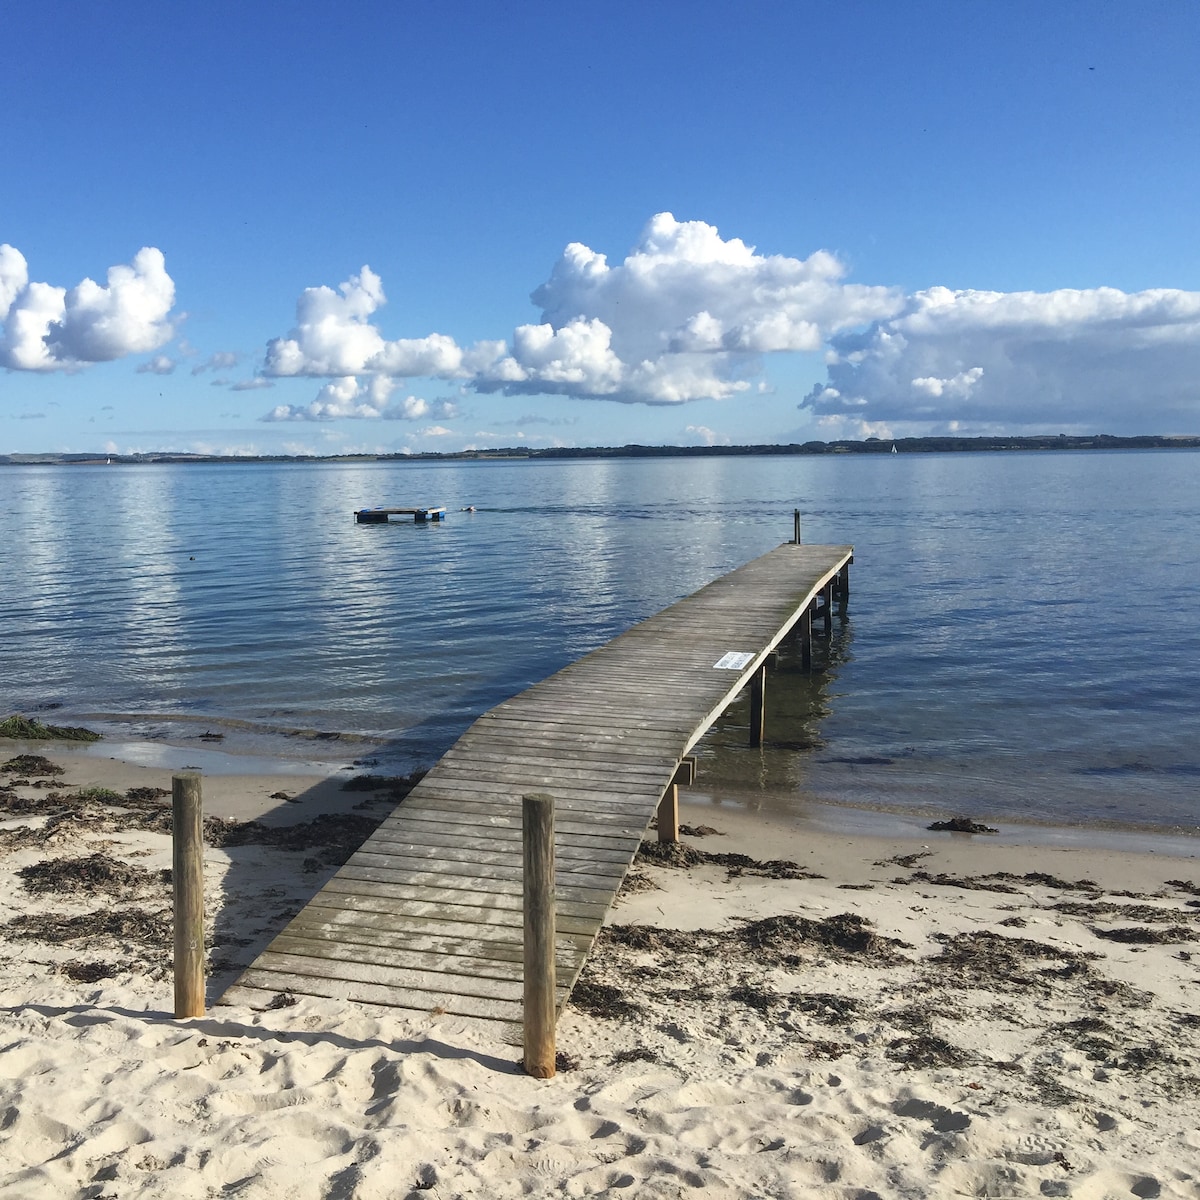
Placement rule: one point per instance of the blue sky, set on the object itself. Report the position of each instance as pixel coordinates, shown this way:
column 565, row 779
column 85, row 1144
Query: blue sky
column 431, row 226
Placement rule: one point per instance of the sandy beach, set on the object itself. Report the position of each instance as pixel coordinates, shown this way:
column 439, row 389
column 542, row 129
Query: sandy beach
column 772, row 1011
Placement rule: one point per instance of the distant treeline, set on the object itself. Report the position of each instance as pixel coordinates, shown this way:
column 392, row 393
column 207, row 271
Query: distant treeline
column 910, row 445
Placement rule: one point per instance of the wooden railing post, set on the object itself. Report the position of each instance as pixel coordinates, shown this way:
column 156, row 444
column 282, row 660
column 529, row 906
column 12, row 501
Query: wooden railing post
column 537, row 824
column 187, row 875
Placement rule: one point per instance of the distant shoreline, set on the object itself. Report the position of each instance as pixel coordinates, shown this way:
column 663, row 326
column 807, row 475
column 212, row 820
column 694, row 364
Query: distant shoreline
column 909, row 445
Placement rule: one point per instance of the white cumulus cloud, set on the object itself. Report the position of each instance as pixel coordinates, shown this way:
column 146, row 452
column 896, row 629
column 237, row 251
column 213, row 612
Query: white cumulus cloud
column 160, row 364
column 686, row 316
column 372, row 399
column 690, row 315
column 334, row 337
column 47, row 328
column 1098, row 359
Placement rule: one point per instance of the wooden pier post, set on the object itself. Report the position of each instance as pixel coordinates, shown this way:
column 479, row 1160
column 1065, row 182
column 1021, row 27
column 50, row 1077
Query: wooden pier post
column 758, row 706
column 827, row 596
column 805, row 628
column 843, row 584
column 796, row 523
column 668, row 806
column 187, row 875
column 537, row 825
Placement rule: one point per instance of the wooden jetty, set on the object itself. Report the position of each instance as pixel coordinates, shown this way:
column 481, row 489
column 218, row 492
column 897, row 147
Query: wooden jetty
column 380, row 516
column 427, row 915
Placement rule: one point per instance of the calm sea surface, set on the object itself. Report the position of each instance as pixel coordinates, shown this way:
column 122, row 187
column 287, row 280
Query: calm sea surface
column 1022, row 640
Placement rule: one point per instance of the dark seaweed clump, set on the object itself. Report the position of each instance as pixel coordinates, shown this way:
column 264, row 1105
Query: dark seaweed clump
column 603, row 1000
column 676, row 854
column 986, row 959
column 846, row 936
column 150, row 929
column 33, row 765
column 335, row 836
column 961, row 825
column 1141, row 935
column 390, row 788
column 95, row 873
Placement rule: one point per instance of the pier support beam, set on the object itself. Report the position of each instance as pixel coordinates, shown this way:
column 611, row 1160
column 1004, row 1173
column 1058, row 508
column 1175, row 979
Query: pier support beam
column 804, row 632
column 758, row 706
column 827, row 607
column 668, row 806
column 842, row 584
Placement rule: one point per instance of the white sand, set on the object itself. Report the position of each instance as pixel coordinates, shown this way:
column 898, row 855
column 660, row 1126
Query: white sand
column 1074, row 1076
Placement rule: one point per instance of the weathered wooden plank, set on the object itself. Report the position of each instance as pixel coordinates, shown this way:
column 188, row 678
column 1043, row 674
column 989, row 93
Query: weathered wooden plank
column 333, row 943
column 479, row 820
column 359, row 882
column 597, row 875
column 429, row 1000
column 590, row 808
column 484, row 942
column 450, row 920
column 486, row 889
column 366, row 967
column 433, row 843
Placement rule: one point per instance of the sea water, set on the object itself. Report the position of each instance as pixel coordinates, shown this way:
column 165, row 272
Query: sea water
column 1021, row 638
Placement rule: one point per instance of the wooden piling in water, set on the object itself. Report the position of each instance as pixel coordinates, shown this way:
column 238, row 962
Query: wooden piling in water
column 187, row 875
column 758, row 706
column 537, row 825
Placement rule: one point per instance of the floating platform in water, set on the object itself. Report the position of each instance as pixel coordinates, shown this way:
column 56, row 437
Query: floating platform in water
column 380, row 516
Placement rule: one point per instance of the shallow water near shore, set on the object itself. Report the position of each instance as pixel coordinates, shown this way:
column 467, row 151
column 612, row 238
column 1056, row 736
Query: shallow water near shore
column 1020, row 641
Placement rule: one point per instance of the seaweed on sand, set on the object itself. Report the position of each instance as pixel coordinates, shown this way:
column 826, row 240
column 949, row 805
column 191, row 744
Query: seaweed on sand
column 961, row 825
column 31, row 764
column 12, row 804
column 138, row 925
column 637, row 881
column 826, row 1007
column 390, row 788
column 990, row 960
column 1142, row 935
column 87, row 972
column 603, row 1000
column 651, row 938
column 926, row 1050
column 982, row 883
column 335, row 836
column 846, row 936
column 29, row 730
column 677, row 854
column 634, row 1054
column 756, row 998
column 1106, row 910
column 95, row 873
